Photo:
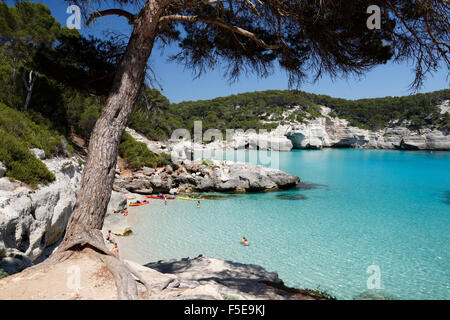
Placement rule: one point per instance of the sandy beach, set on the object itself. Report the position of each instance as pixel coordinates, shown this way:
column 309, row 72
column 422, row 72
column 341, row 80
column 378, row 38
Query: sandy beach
column 117, row 223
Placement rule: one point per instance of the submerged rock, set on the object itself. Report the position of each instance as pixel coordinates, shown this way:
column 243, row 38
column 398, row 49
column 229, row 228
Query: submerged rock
column 309, row 186
column 219, row 197
column 292, row 197
column 447, row 197
column 374, row 295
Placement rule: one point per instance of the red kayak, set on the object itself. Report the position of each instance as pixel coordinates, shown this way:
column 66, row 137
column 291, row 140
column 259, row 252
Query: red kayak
column 161, row 198
column 138, row 204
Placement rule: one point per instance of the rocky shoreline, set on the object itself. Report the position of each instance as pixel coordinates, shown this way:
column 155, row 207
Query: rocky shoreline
column 324, row 131
column 33, row 221
column 206, row 176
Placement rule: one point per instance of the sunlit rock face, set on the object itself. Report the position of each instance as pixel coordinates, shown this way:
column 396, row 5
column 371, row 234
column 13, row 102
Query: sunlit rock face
column 333, row 132
column 33, row 220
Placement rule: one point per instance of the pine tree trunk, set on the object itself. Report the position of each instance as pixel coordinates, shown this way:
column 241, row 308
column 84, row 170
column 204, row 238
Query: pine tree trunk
column 29, row 85
column 98, row 175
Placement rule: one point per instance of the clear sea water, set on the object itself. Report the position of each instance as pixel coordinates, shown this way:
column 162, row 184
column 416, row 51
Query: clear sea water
column 389, row 209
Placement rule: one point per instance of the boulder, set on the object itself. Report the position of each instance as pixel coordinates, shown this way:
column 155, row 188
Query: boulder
column 148, row 171
column 140, row 185
column 2, row 170
column 39, row 153
column 122, row 231
column 117, row 203
column 13, row 261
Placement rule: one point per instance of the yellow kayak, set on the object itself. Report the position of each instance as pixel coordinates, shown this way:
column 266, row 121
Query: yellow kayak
column 185, row 198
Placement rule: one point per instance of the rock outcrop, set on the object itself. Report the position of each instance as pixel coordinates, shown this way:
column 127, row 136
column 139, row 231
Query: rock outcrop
column 39, row 153
column 332, row 132
column 2, row 170
column 13, row 261
column 327, row 132
column 216, row 279
column 207, row 175
column 274, row 140
column 199, row 278
column 33, row 220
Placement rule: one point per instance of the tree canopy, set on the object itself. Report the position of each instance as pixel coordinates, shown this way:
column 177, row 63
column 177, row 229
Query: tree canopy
column 305, row 38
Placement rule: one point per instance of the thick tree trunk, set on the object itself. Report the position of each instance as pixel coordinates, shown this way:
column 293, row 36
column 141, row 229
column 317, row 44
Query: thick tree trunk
column 87, row 218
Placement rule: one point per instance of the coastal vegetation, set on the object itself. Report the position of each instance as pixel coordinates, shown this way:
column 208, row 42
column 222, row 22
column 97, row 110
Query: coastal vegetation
column 137, row 154
column 61, row 105
column 18, row 134
column 264, row 110
column 59, row 62
column 239, row 34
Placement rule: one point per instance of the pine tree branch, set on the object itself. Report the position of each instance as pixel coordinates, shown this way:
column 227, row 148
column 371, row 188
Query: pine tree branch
column 238, row 30
column 118, row 12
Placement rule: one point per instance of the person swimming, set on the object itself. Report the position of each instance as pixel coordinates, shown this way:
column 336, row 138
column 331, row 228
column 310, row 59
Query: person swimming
column 244, row 241
column 198, row 204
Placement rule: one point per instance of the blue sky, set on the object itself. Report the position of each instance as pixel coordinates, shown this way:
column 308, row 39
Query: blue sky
column 179, row 84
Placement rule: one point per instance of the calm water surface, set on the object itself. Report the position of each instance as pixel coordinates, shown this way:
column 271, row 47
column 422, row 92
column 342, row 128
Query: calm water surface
column 389, row 209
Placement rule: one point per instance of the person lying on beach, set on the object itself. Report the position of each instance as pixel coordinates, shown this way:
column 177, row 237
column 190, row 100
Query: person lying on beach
column 109, row 238
column 245, row 241
column 115, row 249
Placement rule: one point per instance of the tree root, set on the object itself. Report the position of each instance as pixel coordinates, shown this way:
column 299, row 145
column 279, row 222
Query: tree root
column 126, row 285
column 93, row 244
column 148, row 286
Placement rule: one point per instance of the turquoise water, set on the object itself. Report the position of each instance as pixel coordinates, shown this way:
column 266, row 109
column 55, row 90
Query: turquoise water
column 383, row 208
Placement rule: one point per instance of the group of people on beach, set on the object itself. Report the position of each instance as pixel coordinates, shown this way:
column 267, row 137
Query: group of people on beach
column 111, row 240
column 115, row 249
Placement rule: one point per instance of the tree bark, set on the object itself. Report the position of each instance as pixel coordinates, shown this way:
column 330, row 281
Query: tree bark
column 87, row 218
column 29, row 87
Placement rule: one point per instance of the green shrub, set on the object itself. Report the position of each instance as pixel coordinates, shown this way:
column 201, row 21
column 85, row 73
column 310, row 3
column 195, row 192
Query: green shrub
column 34, row 134
column 3, row 274
column 87, row 120
column 168, row 160
column 321, row 293
column 20, row 163
column 137, row 154
column 313, row 110
column 18, row 134
column 207, row 162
